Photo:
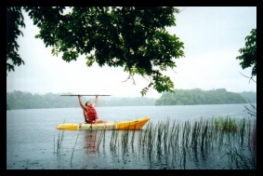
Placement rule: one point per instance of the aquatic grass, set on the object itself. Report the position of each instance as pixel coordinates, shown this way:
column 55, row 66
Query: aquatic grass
column 251, row 127
column 62, row 131
column 98, row 141
column 213, row 135
column 94, row 134
column 174, row 142
column 196, row 133
column 176, row 136
column 170, row 137
column 54, row 144
column 186, row 132
column 124, row 140
column 149, row 140
column 114, row 139
column 101, row 137
column 166, row 134
column 59, row 140
column 144, row 138
column 73, row 149
column 242, row 132
column 160, row 131
column 132, row 137
column 140, row 139
column 226, row 124
column 203, row 134
column 183, row 158
column 104, row 135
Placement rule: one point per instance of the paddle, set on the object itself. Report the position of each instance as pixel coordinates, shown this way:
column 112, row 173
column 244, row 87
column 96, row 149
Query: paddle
column 85, row 95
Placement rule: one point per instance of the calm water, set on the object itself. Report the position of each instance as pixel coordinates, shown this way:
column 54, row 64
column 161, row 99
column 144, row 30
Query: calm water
column 33, row 140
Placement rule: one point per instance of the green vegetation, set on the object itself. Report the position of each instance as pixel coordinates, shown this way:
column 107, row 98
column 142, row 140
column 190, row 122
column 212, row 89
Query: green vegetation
column 184, row 142
column 250, row 96
column 198, row 96
column 132, row 37
column 25, row 100
column 248, row 55
column 226, row 124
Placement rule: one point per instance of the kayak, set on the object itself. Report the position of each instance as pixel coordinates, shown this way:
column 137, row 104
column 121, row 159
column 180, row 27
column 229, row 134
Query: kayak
column 125, row 125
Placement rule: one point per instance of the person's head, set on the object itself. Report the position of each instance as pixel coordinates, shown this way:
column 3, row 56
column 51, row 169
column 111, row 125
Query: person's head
column 87, row 103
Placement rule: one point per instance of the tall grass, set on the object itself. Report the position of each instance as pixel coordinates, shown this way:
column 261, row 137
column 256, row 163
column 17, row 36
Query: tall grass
column 73, row 149
column 176, row 142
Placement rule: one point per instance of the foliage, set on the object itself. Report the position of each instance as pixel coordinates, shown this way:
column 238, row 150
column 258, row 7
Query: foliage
column 131, row 37
column 14, row 20
column 225, row 123
column 250, row 96
column 248, row 55
column 25, row 100
column 198, row 96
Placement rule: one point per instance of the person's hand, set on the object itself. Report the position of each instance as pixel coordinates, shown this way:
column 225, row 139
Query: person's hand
column 79, row 95
column 96, row 96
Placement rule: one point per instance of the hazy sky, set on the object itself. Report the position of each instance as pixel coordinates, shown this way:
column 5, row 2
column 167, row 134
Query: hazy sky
column 212, row 37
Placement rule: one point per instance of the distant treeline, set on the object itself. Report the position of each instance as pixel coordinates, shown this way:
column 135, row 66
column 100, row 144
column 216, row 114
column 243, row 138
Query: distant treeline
column 25, row 100
column 198, row 96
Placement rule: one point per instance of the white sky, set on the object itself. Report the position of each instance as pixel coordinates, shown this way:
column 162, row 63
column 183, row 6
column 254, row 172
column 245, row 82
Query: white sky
column 212, row 37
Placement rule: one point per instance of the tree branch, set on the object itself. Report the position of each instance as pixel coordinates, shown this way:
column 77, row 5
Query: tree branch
column 129, row 77
column 250, row 78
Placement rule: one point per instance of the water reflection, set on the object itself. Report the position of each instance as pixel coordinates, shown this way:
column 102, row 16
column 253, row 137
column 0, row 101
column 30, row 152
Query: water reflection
column 90, row 139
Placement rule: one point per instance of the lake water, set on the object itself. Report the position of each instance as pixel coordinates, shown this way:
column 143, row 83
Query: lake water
column 33, row 142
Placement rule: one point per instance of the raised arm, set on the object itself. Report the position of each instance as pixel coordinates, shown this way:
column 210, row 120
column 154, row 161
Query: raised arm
column 95, row 101
column 80, row 103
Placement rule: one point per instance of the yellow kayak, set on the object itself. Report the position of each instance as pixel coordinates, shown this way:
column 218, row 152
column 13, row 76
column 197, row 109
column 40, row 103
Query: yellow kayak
column 125, row 125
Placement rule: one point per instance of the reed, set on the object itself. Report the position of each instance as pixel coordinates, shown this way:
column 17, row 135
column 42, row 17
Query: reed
column 183, row 158
column 54, row 144
column 175, row 137
column 204, row 134
column 132, row 137
column 178, row 140
column 160, row 131
column 73, row 149
column 104, row 133
column 195, row 134
column 171, row 135
column 113, row 140
column 124, row 140
column 187, row 130
column 149, row 138
column 62, row 131
column 140, row 140
column 166, row 130
column 249, row 128
column 144, row 138
column 59, row 140
column 226, row 124
column 99, row 139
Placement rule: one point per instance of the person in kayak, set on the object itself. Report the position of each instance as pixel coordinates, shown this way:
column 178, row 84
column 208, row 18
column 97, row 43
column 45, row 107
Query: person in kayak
column 89, row 111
